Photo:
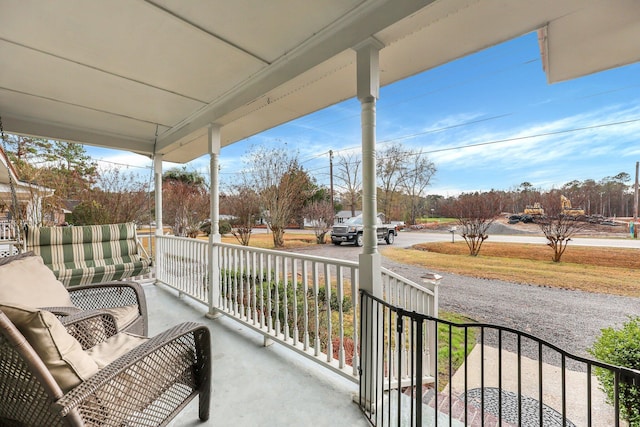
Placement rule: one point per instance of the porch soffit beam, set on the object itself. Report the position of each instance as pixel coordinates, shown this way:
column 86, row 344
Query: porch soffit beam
column 343, row 34
column 78, row 135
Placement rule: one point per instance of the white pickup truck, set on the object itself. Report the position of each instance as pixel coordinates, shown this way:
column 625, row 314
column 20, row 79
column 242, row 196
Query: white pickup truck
column 352, row 229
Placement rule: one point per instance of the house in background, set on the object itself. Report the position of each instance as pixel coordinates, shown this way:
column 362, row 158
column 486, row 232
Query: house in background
column 29, row 197
column 342, row 216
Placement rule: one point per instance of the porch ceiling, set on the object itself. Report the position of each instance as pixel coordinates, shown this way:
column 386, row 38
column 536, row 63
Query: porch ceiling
column 145, row 75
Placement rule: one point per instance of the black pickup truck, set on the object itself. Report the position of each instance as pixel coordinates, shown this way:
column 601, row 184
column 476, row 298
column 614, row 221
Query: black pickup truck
column 351, row 231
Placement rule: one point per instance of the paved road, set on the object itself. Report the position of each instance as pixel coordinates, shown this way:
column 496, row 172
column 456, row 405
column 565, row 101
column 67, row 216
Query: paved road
column 498, row 233
column 569, row 319
column 409, row 238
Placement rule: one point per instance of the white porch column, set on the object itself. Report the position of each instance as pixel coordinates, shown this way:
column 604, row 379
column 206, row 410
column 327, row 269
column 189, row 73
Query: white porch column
column 157, row 173
column 214, row 208
column 368, row 80
column 368, row 85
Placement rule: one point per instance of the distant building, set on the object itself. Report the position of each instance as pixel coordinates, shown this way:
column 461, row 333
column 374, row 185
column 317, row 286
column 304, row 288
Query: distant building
column 342, row 216
column 29, row 195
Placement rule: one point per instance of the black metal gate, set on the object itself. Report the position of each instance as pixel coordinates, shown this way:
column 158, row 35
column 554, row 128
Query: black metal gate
column 488, row 375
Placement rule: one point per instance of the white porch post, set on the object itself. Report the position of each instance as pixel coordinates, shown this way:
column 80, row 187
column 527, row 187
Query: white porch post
column 368, row 84
column 368, row 91
column 157, row 173
column 214, row 236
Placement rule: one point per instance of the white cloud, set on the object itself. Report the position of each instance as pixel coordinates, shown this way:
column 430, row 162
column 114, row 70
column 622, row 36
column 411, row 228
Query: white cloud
column 519, row 146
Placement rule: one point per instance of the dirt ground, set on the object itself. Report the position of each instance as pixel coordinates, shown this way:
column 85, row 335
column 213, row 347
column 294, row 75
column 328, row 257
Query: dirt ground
column 501, row 226
column 593, row 230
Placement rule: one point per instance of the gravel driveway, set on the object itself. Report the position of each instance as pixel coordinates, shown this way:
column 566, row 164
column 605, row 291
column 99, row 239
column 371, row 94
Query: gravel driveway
column 571, row 320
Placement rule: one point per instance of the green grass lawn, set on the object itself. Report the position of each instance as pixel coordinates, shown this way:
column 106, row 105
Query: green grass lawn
column 454, row 341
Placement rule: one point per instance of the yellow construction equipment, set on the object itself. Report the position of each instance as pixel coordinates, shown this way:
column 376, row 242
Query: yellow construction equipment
column 567, row 209
column 535, row 209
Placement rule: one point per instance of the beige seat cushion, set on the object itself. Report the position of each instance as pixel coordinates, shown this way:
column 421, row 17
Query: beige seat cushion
column 141, row 384
column 124, row 315
column 107, row 351
column 60, row 352
column 25, row 280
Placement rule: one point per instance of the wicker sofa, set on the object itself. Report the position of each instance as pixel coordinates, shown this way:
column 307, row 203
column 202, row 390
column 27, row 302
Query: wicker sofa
column 25, row 280
column 78, row 371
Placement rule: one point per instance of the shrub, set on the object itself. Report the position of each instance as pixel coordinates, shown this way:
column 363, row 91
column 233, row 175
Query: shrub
column 89, row 213
column 620, row 347
column 322, row 298
column 223, row 227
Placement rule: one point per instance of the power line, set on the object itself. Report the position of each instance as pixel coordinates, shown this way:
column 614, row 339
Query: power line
column 472, row 122
column 122, row 164
column 479, row 144
column 539, row 135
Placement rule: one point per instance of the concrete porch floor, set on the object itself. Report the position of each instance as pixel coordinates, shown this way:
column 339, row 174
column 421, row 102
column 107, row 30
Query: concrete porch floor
column 255, row 385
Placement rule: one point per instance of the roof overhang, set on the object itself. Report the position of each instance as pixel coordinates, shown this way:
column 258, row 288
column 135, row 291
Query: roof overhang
column 150, row 76
column 7, row 171
column 24, row 190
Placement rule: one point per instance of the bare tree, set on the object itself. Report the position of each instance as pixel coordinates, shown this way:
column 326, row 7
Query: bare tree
column 475, row 213
column 350, row 179
column 282, row 185
column 321, row 214
column 557, row 227
column 244, row 205
column 391, row 171
column 420, row 170
column 118, row 196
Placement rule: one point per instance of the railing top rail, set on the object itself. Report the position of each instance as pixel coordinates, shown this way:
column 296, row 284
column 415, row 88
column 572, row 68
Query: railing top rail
column 343, row 263
column 428, row 288
column 418, row 316
column 184, row 239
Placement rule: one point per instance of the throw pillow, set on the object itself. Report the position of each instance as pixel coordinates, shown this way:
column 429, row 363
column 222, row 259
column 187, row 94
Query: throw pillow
column 27, row 281
column 61, row 353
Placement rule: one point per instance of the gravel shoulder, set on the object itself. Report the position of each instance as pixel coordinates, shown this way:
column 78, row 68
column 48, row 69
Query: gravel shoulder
column 571, row 320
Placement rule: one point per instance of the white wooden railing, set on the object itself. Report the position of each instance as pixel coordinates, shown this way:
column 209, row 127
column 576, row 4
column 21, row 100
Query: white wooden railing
column 181, row 263
column 423, row 299
column 7, row 230
column 308, row 303
column 8, row 242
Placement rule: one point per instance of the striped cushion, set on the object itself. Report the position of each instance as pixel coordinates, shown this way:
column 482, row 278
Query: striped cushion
column 89, row 254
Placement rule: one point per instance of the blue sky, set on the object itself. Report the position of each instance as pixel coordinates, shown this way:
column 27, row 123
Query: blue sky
column 487, row 121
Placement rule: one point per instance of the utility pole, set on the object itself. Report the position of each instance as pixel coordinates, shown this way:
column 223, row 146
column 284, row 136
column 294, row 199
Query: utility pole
column 635, row 204
column 331, row 179
column 635, row 196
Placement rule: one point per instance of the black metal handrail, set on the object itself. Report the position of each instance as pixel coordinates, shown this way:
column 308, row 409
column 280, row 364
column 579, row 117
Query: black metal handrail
column 508, row 378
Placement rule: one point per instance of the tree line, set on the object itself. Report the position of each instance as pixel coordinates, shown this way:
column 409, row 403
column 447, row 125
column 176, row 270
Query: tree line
column 275, row 189
column 611, row 196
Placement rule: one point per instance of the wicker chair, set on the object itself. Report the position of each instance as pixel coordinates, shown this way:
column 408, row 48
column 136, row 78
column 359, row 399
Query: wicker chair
column 109, row 296
column 146, row 386
column 24, row 279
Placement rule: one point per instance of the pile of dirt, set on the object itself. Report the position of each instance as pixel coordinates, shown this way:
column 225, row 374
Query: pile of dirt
column 502, row 226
